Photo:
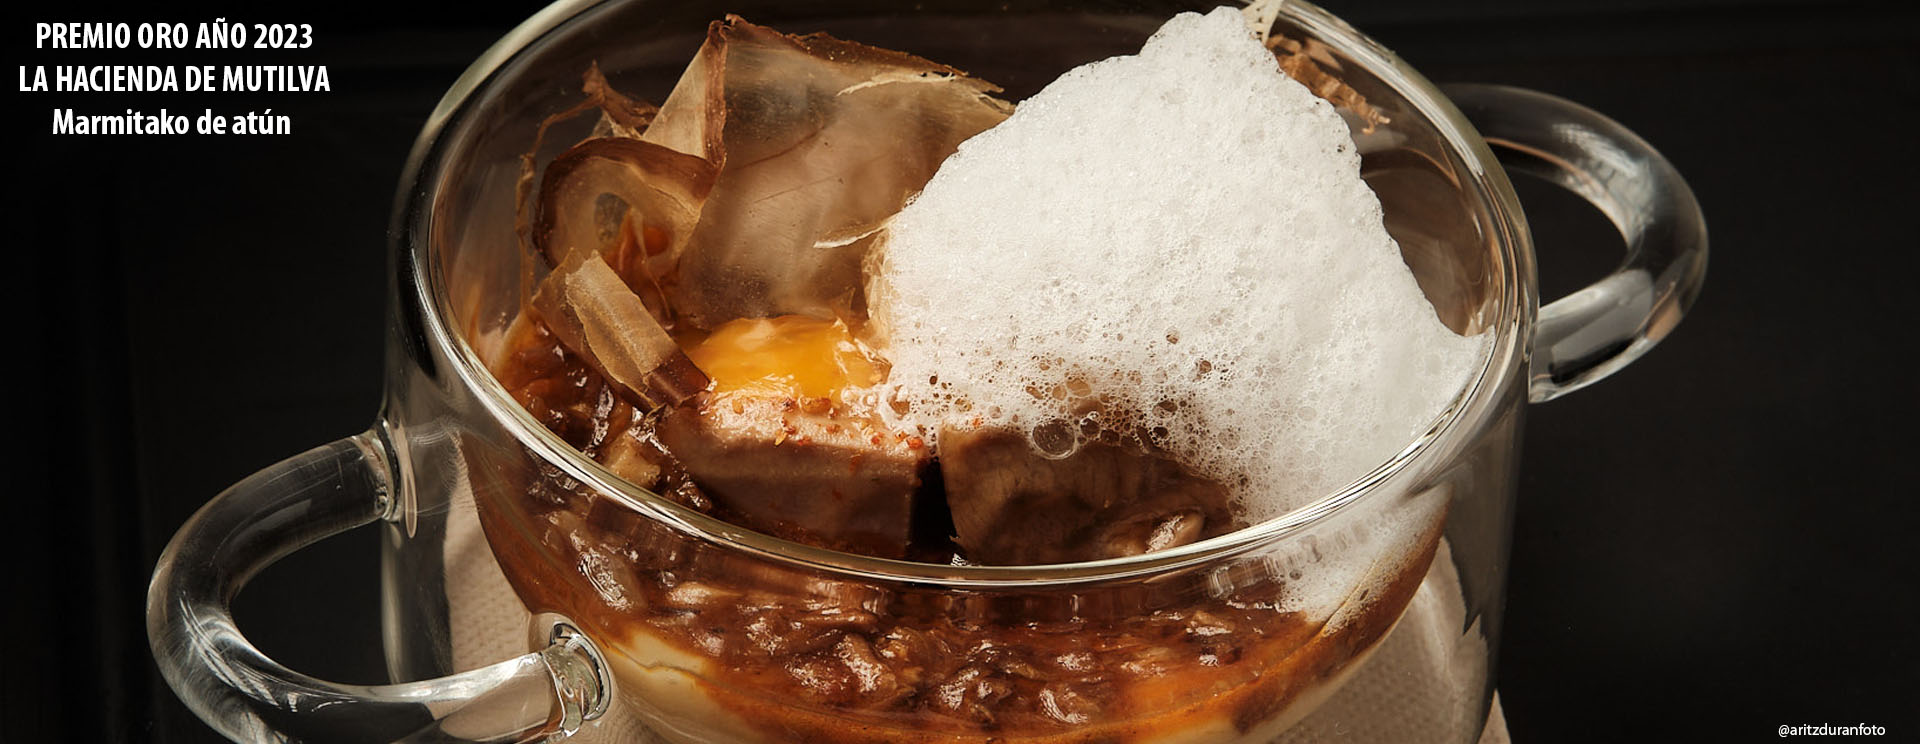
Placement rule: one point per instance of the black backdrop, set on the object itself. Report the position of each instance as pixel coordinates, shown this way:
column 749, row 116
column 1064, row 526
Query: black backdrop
column 1710, row 544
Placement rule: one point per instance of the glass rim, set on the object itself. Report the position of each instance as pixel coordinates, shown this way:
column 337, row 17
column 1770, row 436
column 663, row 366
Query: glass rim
column 1465, row 414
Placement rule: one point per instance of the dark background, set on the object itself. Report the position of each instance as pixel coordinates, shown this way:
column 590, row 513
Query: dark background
column 1712, row 543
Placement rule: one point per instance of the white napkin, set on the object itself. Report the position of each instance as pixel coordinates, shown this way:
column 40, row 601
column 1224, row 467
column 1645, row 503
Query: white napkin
column 1408, row 689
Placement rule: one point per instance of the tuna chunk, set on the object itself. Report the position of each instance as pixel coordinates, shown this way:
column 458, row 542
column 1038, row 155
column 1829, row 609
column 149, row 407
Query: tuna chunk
column 800, row 468
column 1012, row 506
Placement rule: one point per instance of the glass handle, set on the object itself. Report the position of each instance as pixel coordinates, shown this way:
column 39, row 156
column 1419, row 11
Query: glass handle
column 248, row 697
column 1594, row 332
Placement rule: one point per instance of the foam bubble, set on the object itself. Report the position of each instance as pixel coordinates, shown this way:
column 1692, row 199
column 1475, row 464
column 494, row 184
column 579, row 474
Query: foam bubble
column 1175, row 245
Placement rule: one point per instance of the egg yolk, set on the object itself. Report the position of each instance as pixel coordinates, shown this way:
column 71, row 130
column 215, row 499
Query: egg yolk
column 793, row 355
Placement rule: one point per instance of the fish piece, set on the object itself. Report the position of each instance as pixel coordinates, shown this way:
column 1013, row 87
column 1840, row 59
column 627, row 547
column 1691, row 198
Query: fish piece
column 785, row 440
column 1012, row 505
column 803, row 472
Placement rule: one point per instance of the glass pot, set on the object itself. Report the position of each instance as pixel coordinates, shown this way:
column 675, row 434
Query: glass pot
column 698, row 630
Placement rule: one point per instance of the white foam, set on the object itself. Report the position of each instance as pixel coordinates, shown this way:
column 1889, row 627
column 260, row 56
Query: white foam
column 1178, row 243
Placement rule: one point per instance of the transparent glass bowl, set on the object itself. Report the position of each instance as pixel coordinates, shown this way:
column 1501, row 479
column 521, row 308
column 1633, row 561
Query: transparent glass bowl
column 648, row 609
